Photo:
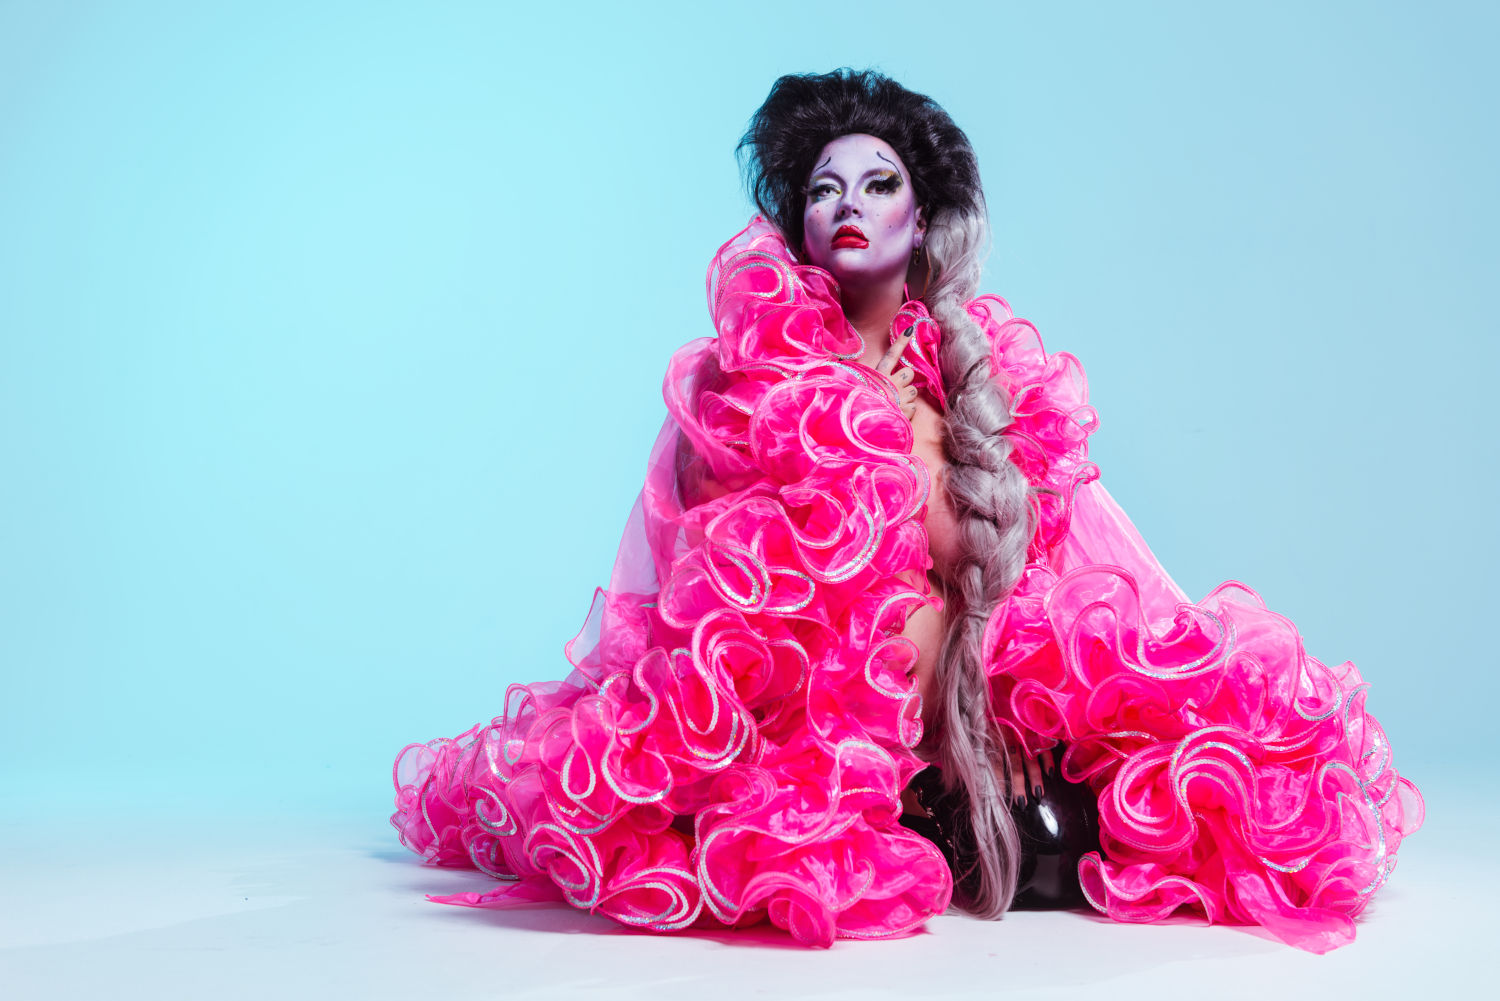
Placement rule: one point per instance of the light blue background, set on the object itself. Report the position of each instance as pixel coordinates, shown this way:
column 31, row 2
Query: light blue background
column 331, row 338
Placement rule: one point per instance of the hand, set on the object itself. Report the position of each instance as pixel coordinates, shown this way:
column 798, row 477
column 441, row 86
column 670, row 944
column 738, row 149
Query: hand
column 902, row 377
column 1026, row 773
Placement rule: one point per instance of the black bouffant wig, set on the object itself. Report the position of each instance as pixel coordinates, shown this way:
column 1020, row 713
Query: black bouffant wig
column 804, row 113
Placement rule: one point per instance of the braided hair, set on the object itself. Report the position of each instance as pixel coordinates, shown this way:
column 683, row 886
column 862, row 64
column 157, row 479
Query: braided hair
column 990, row 496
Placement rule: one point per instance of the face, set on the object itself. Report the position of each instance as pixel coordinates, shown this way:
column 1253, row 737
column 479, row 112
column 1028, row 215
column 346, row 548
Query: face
column 861, row 220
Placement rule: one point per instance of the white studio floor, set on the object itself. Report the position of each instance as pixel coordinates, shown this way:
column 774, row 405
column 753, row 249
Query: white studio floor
column 112, row 907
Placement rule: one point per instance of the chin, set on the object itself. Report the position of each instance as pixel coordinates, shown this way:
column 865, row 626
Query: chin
column 862, row 276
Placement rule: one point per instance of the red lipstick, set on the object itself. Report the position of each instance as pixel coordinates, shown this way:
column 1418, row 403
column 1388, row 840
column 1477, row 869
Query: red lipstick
column 850, row 236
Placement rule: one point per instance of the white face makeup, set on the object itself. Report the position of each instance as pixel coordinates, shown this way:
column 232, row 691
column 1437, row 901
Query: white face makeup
column 861, row 219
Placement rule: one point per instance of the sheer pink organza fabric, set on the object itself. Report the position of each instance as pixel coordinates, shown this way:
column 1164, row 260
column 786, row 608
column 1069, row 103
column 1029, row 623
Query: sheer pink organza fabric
column 733, row 740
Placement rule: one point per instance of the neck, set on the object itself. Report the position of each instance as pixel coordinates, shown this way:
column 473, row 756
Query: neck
column 871, row 312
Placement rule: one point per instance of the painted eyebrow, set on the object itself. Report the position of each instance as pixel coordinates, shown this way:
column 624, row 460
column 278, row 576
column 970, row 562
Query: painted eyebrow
column 819, row 170
column 835, row 174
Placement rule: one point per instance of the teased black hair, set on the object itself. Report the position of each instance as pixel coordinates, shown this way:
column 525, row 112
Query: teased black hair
column 805, row 112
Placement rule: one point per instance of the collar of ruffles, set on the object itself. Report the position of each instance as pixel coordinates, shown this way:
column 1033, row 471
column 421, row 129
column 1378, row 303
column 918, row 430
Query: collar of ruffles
column 758, row 260
column 1051, row 419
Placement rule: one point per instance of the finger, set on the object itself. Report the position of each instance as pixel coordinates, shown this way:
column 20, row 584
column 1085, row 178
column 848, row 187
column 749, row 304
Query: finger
column 1034, row 774
column 1017, row 778
column 910, row 410
column 887, row 364
column 904, row 376
column 909, row 394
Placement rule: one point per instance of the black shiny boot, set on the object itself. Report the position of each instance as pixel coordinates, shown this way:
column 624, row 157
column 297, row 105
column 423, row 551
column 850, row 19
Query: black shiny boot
column 1057, row 828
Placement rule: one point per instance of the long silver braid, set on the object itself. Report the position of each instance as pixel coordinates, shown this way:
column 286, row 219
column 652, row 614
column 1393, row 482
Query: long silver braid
column 800, row 116
column 990, row 498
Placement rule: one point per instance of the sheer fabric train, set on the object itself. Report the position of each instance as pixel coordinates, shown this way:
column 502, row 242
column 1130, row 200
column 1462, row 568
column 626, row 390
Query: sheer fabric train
column 733, row 740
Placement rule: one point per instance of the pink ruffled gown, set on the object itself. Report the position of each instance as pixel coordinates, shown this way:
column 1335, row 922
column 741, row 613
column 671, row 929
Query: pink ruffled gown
column 734, row 738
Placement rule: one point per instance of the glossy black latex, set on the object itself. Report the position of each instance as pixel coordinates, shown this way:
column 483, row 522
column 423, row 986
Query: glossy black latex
column 1057, row 827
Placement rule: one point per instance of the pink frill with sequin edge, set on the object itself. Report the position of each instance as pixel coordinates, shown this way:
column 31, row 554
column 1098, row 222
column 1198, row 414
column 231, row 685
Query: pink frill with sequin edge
column 733, row 741
column 1236, row 775
column 734, row 738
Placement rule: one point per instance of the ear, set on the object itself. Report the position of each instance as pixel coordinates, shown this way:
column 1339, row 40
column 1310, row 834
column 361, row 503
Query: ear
column 921, row 224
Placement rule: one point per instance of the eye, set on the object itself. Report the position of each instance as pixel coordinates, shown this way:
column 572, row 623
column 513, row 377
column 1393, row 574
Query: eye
column 818, row 192
column 885, row 184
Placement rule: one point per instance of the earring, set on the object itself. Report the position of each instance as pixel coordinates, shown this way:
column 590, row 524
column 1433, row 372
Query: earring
column 916, row 260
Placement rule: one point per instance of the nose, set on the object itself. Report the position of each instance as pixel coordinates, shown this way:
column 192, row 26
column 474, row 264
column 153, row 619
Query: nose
column 848, row 205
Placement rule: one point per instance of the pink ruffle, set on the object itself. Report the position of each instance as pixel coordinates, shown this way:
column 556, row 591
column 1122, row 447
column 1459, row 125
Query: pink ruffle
column 734, row 739
column 1236, row 775
column 732, row 742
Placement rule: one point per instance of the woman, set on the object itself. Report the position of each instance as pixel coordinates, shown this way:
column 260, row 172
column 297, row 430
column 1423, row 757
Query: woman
column 869, row 541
